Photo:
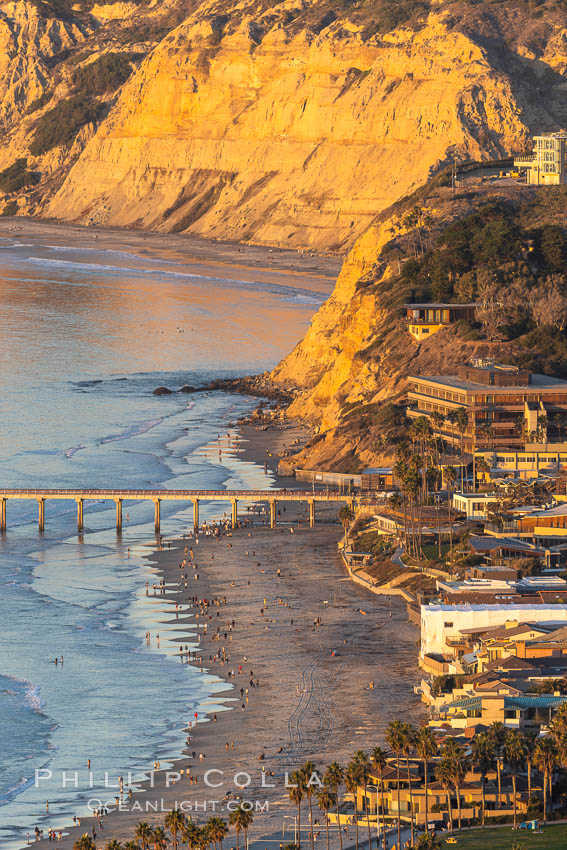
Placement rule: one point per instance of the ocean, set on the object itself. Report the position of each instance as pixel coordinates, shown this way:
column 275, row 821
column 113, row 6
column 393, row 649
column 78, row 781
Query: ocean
column 87, row 333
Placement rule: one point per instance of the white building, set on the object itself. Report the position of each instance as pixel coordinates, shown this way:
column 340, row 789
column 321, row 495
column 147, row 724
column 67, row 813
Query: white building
column 474, row 505
column 547, row 165
column 438, row 622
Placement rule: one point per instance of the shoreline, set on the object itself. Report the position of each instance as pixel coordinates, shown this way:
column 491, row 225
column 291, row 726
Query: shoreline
column 302, row 692
column 319, row 269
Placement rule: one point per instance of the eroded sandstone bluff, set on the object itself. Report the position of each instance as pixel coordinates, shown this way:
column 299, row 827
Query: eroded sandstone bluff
column 289, row 123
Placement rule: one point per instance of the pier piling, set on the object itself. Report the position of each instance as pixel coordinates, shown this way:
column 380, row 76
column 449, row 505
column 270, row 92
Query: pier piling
column 2, row 515
column 234, row 512
column 195, row 515
column 118, row 515
column 311, row 513
column 157, row 504
column 272, row 513
column 79, row 514
column 41, row 512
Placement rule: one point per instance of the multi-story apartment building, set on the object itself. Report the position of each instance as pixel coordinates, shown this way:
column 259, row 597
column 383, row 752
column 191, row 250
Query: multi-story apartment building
column 547, row 164
column 505, row 406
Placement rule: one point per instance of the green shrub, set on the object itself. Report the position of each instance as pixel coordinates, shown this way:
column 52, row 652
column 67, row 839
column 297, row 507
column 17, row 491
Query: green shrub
column 40, row 101
column 105, row 74
column 61, row 124
column 17, row 176
column 11, row 208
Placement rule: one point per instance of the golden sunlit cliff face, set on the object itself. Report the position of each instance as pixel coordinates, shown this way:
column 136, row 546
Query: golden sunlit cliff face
column 254, row 123
column 285, row 139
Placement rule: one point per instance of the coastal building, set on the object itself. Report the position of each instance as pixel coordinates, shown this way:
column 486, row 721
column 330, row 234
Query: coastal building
column 505, row 406
column 424, row 320
column 528, row 712
column 379, row 478
column 380, row 795
column 546, row 523
column 442, row 623
column 533, row 461
column 547, row 165
column 474, row 505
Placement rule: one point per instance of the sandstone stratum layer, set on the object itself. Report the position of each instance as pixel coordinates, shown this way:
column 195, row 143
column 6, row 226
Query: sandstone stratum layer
column 275, row 123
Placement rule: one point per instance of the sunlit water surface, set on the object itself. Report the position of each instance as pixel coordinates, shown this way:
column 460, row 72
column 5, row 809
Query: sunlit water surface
column 86, row 335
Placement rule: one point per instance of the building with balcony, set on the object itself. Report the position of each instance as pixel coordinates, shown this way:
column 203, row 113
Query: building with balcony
column 506, row 407
column 547, row 165
column 442, row 623
column 424, row 320
column 515, row 712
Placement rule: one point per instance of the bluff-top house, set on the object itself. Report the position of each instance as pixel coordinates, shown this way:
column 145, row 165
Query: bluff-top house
column 424, row 320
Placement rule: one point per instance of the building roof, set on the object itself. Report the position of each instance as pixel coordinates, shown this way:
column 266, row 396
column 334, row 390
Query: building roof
column 512, row 662
column 475, row 703
column 437, row 606
column 542, row 382
column 436, row 305
column 555, row 636
column 377, row 470
column 520, row 629
column 487, row 544
column 558, row 510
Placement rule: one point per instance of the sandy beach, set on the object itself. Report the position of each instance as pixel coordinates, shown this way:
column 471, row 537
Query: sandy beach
column 312, row 699
column 252, row 262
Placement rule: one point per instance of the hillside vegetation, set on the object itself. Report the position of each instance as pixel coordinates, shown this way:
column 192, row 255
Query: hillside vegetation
column 504, row 248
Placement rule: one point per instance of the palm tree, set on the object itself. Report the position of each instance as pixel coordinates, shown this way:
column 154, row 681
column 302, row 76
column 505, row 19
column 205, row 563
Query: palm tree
column 309, row 772
column 498, row 733
column 530, row 740
column 218, row 830
column 364, row 768
column 175, row 821
column 334, row 778
column 545, row 759
column 460, row 419
column 395, row 738
column 450, row 477
column 352, row 781
column 454, row 756
column 428, row 842
column 240, row 818
column 204, row 837
column 325, row 799
column 143, row 833
column 346, row 516
column 85, row 842
column 296, row 793
column 190, row 834
column 113, row 844
column 483, row 755
column 515, row 753
column 159, row 838
column 379, row 762
column 131, row 845
column 408, row 742
column 426, row 748
column 444, row 774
